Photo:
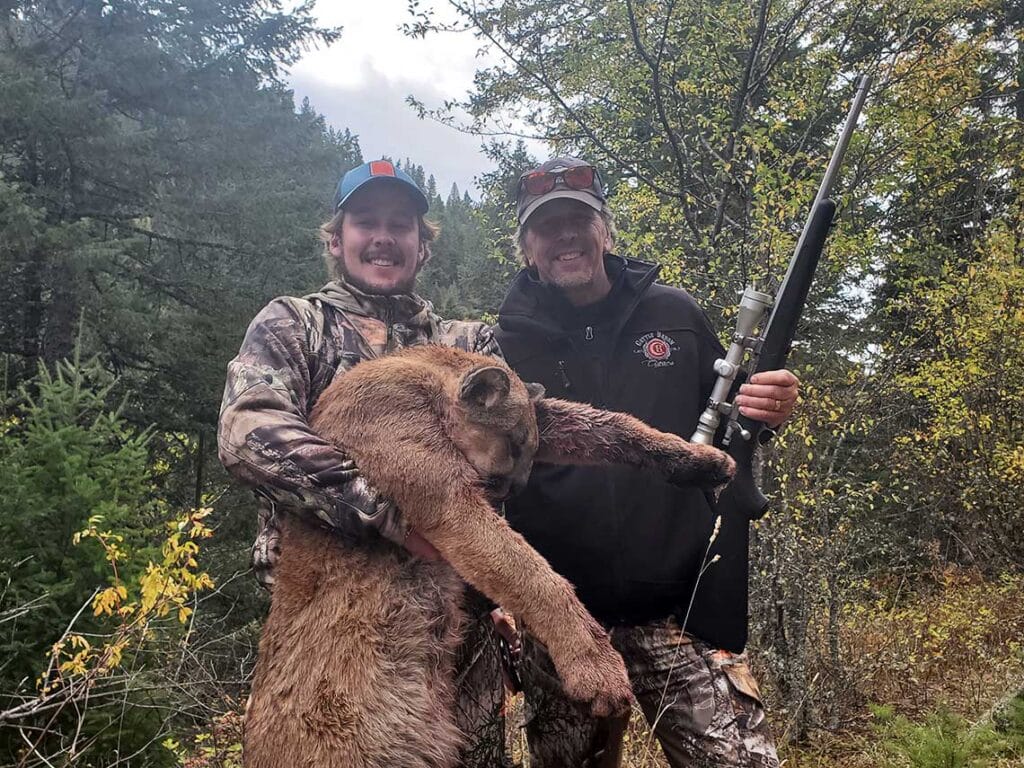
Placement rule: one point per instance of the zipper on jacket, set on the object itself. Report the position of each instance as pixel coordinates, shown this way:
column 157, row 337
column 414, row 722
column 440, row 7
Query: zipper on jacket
column 388, row 316
column 565, row 376
column 600, row 357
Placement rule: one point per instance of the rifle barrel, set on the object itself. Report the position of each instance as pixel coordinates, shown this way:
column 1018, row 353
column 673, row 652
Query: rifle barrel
column 836, row 161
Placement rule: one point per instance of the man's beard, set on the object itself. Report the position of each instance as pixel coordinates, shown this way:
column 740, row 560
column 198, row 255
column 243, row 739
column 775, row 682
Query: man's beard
column 404, row 288
column 571, row 280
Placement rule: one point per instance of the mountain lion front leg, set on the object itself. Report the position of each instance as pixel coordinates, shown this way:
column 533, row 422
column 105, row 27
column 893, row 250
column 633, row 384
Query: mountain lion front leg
column 488, row 554
column 574, row 433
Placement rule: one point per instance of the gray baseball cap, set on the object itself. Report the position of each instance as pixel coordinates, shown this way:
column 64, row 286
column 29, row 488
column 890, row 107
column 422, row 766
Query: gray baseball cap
column 560, row 177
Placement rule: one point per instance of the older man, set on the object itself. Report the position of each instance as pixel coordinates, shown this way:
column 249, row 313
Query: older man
column 595, row 327
column 375, row 245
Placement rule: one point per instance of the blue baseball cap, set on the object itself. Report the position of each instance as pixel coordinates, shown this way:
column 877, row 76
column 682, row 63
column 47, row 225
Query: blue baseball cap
column 378, row 170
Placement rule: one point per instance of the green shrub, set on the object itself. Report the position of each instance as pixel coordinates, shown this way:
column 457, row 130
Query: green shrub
column 945, row 740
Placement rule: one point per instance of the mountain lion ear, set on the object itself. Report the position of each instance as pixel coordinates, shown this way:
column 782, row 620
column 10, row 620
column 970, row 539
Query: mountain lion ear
column 535, row 391
column 485, row 387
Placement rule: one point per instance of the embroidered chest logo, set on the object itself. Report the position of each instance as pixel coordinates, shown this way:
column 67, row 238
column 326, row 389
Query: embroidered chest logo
column 657, row 349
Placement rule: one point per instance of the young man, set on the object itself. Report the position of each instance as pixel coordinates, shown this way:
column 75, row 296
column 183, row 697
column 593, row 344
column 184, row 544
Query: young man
column 595, row 327
column 375, row 245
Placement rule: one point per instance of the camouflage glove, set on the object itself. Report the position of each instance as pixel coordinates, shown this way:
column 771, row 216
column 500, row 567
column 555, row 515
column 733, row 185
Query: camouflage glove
column 358, row 504
column 383, row 514
column 361, row 498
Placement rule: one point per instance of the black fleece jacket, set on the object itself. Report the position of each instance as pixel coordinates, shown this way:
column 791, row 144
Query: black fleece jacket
column 632, row 544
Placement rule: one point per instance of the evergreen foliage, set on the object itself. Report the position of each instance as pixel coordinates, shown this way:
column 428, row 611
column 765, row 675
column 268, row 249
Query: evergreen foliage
column 944, row 740
column 68, row 457
column 158, row 185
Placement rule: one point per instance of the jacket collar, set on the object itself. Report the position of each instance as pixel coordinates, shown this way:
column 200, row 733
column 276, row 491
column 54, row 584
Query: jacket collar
column 408, row 308
column 533, row 307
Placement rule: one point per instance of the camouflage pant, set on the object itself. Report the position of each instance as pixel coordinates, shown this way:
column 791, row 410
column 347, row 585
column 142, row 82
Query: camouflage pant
column 704, row 705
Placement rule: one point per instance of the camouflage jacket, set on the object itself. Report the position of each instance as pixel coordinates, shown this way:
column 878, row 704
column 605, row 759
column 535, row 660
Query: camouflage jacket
column 291, row 352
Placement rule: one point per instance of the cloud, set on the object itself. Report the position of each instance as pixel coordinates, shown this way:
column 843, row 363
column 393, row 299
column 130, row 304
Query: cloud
column 373, row 107
column 371, row 34
column 361, row 83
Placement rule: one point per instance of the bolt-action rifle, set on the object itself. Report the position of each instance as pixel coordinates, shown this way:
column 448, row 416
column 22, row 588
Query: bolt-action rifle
column 769, row 348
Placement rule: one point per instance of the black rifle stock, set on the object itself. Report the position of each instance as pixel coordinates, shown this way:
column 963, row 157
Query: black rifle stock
column 772, row 346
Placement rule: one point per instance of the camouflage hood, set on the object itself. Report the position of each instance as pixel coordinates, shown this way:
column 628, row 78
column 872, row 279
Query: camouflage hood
column 408, row 309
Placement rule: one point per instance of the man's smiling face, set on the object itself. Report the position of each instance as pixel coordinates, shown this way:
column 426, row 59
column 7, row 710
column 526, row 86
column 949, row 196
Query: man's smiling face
column 565, row 240
column 378, row 246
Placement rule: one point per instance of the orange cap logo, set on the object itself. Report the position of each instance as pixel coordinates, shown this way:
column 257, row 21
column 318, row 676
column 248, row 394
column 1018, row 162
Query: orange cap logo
column 381, row 168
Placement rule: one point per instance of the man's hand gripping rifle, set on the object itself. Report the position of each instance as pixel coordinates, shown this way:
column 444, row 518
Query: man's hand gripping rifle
column 770, row 348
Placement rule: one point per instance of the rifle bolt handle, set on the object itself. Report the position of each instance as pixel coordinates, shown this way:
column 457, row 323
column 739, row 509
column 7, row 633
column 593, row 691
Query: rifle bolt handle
column 736, row 428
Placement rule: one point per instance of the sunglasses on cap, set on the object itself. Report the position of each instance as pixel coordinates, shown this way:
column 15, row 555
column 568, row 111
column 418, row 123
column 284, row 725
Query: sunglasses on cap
column 541, row 182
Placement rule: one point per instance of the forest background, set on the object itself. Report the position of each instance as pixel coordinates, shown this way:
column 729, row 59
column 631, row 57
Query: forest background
column 158, row 186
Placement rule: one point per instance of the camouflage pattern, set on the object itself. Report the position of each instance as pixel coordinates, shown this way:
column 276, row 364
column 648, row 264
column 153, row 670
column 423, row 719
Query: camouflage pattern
column 291, row 352
column 704, row 704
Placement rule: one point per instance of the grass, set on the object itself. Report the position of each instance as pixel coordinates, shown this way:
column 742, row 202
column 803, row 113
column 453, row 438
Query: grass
column 927, row 670
column 937, row 662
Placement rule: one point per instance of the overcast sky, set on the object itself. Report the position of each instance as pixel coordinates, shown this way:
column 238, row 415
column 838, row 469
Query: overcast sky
column 361, row 83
